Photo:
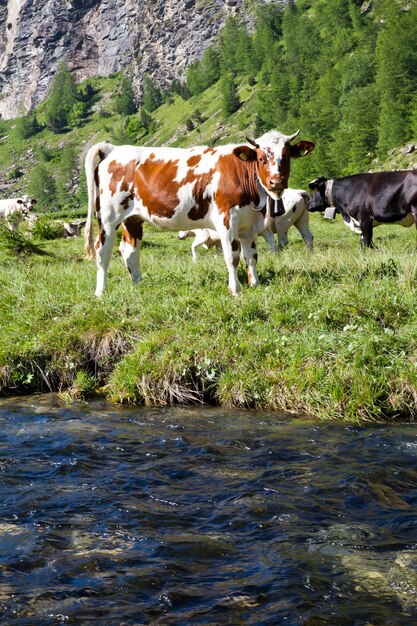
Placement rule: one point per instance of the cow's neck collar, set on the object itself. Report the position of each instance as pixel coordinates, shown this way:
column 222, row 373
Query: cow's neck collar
column 328, row 192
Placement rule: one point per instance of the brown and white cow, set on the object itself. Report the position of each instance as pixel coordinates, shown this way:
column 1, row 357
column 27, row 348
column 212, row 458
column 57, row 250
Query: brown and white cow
column 295, row 213
column 182, row 189
column 14, row 210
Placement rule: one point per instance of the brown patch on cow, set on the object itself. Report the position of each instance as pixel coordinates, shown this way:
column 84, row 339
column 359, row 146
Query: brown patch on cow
column 194, row 160
column 97, row 204
column 155, row 185
column 209, row 150
column 122, row 174
column 253, row 245
column 101, row 191
column 236, row 261
column 151, row 156
column 96, row 177
column 132, row 231
column 235, row 245
column 202, row 201
column 237, row 184
column 101, row 238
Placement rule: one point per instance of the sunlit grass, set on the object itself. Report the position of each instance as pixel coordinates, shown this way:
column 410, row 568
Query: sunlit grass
column 331, row 334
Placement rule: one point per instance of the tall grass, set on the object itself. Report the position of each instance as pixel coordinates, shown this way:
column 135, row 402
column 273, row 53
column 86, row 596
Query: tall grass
column 331, row 334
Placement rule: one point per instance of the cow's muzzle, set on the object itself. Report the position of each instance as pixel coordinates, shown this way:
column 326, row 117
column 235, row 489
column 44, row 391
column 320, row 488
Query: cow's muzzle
column 277, row 185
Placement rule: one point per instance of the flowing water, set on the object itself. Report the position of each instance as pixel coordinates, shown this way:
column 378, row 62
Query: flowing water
column 182, row 516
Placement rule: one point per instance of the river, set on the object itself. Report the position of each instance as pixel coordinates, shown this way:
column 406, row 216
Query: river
column 180, row 516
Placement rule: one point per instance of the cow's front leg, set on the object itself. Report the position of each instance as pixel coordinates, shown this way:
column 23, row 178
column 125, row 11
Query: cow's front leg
column 231, row 250
column 268, row 235
column 130, row 244
column 366, row 236
column 251, row 257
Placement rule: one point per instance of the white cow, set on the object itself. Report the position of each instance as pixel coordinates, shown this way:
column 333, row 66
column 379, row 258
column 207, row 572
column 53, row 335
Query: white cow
column 295, row 204
column 205, row 237
column 14, row 210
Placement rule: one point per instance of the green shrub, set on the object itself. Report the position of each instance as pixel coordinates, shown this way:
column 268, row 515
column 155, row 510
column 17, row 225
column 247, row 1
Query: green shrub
column 46, row 228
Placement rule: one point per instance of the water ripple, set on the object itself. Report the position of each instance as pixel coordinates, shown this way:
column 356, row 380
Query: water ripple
column 203, row 516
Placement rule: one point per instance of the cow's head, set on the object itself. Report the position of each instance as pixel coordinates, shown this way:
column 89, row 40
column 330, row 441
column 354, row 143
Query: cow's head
column 272, row 153
column 318, row 200
column 184, row 234
column 26, row 204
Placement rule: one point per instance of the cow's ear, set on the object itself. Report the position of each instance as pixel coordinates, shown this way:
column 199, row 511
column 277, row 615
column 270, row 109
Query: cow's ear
column 302, row 148
column 245, row 153
column 315, row 184
column 19, row 201
column 33, row 201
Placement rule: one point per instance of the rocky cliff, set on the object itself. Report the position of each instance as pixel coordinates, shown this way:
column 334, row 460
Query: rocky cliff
column 158, row 37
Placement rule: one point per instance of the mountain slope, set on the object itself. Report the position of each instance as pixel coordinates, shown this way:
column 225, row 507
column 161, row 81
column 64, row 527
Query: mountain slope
column 102, row 37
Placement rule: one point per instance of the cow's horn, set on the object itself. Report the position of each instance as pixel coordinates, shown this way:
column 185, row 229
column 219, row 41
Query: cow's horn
column 252, row 142
column 291, row 137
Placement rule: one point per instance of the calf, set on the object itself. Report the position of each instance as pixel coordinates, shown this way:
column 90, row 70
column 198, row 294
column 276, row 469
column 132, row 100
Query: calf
column 182, row 189
column 14, row 210
column 203, row 237
column 295, row 214
column 368, row 200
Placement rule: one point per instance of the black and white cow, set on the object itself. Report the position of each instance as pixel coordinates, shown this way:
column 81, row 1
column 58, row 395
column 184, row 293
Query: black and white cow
column 368, row 200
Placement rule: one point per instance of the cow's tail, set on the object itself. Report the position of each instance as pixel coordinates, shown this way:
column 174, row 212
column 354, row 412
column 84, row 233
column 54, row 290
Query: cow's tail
column 100, row 150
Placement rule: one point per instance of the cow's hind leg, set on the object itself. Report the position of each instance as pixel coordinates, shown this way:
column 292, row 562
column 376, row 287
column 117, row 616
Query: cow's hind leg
column 251, row 257
column 303, row 228
column 130, row 244
column 104, row 246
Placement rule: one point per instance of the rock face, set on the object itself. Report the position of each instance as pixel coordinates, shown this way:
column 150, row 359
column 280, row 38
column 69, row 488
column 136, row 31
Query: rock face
column 158, row 37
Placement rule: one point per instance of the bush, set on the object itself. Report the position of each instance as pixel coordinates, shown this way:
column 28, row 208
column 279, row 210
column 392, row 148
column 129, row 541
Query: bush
column 18, row 244
column 46, row 228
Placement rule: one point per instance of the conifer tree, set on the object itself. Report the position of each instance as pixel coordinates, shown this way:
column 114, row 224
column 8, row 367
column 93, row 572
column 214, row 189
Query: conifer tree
column 61, row 99
column 42, row 187
column 151, row 96
column 124, row 102
column 396, row 59
column 230, row 97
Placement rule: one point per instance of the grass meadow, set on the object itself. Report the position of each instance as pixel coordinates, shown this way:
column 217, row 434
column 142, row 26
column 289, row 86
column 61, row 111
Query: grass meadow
column 332, row 334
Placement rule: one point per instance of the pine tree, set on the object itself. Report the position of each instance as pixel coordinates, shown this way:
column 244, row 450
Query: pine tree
column 396, row 58
column 124, row 101
column 151, row 96
column 230, row 97
column 66, row 176
column 204, row 73
column 27, row 126
column 42, row 187
column 61, row 99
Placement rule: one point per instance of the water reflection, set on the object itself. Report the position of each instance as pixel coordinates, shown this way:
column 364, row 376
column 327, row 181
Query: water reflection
column 203, row 516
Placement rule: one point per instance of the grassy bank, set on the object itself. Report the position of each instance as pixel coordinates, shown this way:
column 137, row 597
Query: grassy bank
column 332, row 334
